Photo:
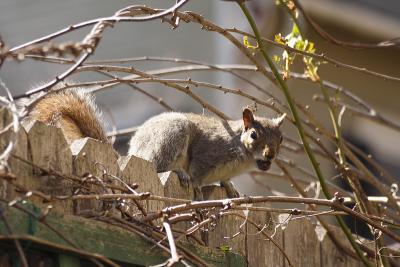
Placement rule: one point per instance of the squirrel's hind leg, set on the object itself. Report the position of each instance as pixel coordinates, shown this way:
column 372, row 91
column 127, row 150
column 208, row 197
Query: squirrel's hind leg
column 230, row 189
column 183, row 176
column 184, row 179
column 198, row 194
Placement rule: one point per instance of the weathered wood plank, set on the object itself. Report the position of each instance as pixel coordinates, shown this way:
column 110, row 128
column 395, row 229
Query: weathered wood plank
column 331, row 256
column 259, row 250
column 20, row 170
column 227, row 230
column 110, row 241
column 68, row 261
column 49, row 149
column 173, row 188
column 143, row 173
column 94, row 160
column 301, row 242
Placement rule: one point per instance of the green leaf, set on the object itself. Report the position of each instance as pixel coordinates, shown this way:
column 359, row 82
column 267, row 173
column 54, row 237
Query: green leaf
column 300, row 44
column 276, row 58
column 279, row 39
column 225, row 248
column 311, row 47
column 295, row 30
column 247, row 43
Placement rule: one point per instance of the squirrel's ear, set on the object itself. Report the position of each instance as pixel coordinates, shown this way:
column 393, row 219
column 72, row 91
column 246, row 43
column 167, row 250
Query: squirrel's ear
column 248, row 118
column 279, row 120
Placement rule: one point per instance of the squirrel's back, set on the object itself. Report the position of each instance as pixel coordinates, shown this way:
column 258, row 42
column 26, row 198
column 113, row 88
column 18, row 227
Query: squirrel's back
column 73, row 110
column 163, row 140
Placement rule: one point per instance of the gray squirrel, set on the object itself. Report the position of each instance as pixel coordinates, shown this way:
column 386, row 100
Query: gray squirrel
column 200, row 149
column 206, row 150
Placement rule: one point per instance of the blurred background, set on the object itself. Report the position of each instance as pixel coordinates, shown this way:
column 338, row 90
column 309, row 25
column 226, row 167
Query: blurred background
column 348, row 20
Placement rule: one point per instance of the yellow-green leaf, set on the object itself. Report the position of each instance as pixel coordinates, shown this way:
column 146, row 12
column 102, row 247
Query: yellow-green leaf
column 247, row 43
column 279, row 39
column 225, row 248
column 276, row 58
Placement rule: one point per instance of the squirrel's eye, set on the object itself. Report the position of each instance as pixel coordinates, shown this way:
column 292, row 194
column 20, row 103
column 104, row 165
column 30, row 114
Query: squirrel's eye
column 253, row 135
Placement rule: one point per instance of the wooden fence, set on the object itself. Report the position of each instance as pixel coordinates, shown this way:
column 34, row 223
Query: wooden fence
column 41, row 153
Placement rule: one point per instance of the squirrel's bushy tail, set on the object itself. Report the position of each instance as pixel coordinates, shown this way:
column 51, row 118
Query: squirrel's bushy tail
column 73, row 110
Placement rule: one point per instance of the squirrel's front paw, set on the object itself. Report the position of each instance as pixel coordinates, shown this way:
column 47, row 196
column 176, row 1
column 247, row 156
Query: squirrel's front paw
column 184, row 178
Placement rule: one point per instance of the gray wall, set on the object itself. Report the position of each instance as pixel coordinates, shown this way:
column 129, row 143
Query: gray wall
column 24, row 20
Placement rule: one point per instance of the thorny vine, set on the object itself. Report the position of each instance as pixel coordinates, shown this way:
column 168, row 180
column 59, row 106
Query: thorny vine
column 316, row 139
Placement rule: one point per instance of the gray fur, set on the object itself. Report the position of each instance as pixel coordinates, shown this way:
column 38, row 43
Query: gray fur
column 205, row 149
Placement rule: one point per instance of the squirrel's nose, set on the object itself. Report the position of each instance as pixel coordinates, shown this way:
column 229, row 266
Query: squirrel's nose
column 269, row 154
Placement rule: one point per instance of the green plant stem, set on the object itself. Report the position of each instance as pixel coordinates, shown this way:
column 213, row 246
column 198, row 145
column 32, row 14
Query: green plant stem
column 300, row 129
column 338, row 136
column 365, row 207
